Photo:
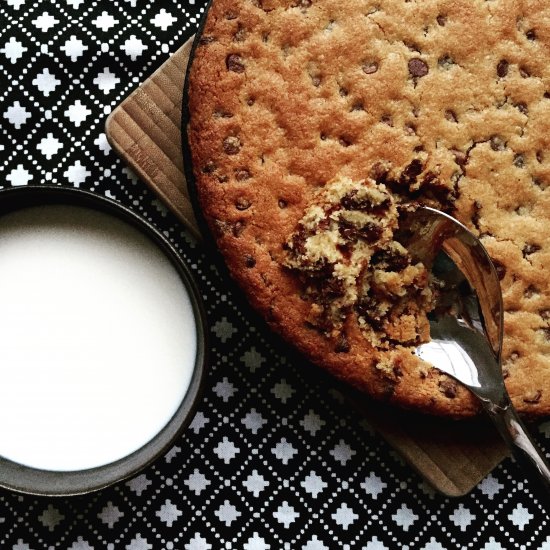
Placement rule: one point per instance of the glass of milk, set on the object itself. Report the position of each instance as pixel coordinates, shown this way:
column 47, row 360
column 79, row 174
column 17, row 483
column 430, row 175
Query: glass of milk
column 101, row 342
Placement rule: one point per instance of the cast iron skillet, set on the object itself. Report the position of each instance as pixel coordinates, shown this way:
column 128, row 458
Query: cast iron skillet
column 17, row 477
column 186, row 149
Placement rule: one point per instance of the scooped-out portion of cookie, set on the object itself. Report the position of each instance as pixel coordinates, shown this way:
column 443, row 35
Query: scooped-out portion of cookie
column 345, row 253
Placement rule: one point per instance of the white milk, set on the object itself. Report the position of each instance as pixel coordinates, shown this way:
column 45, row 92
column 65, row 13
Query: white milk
column 97, row 338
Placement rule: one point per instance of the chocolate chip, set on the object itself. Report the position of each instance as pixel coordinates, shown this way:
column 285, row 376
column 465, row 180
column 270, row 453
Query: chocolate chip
column 370, row 67
column 343, row 92
column 411, row 172
column 448, row 388
column 345, row 141
column 540, row 156
column 412, row 46
column 397, row 371
column 367, row 310
column 524, row 73
column 441, row 20
column 345, row 250
column 329, row 287
column 222, row 227
column 242, row 203
column 370, row 232
column 249, row 261
column 446, row 62
column 250, row 101
column 500, row 269
column 379, row 172
column 282, row 203
column 502, row 68
column 546, row 95
column 352, row 202
column 316, row 80
column 205, row 40
column 240, row 34
column 387, row 119
column 209, row 168
column 519, row 160
column 342, row 345
column 450, row 115
column 234, row 62
column 530, row 249
column 533, row 397
column 476, row 215
column 539, row 183
column 358, row 106
column 497, row 143
column 435, row 188
column 390, row 260
column 221, row 113
column 242, row 174
column 531, row 291
column 461, row 158
column 545, row 314
column 522, row 108
column 232, row 145
column 531, row 34
column 418, row 67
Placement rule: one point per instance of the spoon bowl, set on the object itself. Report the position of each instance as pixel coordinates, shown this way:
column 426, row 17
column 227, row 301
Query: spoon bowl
column 466, row 326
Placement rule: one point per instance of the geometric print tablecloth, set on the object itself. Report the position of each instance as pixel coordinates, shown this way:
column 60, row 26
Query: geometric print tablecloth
column 273, row 459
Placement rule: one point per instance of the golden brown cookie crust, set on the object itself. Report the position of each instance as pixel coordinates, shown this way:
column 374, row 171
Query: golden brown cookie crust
column 286, row 96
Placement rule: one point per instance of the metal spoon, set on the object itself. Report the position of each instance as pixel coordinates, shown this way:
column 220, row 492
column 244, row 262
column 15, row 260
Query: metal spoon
column 467, row 326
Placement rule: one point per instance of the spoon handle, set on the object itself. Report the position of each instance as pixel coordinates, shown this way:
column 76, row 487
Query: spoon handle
column 526, row 452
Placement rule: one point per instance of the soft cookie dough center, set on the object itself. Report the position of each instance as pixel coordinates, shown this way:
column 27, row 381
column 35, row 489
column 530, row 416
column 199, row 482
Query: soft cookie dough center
column 345, row 252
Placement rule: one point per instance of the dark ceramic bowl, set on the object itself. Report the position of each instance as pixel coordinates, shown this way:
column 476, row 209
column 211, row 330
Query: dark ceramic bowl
column 20, row 478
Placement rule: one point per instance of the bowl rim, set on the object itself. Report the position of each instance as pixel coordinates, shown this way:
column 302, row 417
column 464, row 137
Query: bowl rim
column 29, row 480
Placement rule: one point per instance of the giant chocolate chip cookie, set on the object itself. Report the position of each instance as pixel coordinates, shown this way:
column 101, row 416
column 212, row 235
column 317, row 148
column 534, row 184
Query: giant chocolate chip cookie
column 313, row 123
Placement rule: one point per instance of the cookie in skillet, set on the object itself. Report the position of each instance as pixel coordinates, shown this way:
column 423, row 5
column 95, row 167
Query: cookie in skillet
column 313, row 122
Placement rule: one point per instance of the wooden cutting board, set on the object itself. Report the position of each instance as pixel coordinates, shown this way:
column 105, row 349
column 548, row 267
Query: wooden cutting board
column 145, row 131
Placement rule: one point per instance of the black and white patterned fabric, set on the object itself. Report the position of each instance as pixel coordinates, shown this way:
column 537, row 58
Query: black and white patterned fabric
column 274, row 459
